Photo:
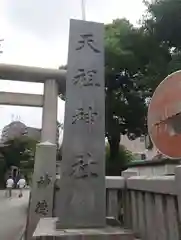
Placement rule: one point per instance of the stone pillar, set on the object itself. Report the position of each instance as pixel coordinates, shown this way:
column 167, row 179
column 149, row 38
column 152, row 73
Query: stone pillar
column 80, row 202
column 49, row 118
column 128, row 220
column 41, row 204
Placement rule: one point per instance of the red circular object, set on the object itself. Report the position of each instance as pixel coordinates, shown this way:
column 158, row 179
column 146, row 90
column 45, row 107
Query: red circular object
column 166, row 103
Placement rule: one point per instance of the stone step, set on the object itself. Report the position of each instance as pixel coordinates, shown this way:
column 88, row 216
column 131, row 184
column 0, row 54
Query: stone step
column 46, row 230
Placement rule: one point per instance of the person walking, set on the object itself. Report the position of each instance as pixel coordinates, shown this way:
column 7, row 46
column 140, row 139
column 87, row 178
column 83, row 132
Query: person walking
column 21, row 184
column 9, row 186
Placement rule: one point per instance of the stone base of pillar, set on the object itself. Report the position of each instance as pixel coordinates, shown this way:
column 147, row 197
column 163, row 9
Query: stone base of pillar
column 46, row 230
column 42, row 192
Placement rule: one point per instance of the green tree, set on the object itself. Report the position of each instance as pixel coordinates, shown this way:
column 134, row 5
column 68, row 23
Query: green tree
column 164, row 22
column 19, row 152
column 135, row 63
column 119, row 164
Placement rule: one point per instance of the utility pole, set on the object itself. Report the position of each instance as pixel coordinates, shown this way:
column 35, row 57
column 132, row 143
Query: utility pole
column 83, row 9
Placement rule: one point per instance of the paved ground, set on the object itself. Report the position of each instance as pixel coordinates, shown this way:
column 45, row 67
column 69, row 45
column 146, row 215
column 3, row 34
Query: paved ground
column 12, row 215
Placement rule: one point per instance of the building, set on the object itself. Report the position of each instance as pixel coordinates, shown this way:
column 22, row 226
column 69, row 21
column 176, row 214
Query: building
column 13, row 130
column 17, row 129
column 139, row 147
column 34, row 133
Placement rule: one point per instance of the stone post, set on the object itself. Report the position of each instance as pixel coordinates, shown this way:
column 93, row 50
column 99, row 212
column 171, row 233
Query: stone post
column 127, row 207
column 42, row 191
column 81, row 199
column 49, row 118
column 113, row 186
column 178, row 187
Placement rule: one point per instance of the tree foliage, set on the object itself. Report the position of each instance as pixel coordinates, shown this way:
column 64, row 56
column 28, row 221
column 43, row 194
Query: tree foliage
column 123, row 158
column 135, row 64
column 164, row 21
column 19, row 152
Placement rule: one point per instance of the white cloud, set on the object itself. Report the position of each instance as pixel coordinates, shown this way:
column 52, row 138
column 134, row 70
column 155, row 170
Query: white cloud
column 36, row 34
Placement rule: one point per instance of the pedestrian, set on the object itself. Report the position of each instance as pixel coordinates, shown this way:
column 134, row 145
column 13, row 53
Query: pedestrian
column 21, row 184
column 9, row 186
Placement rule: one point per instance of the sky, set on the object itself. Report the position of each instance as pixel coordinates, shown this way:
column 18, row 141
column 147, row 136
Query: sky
column 36, row 32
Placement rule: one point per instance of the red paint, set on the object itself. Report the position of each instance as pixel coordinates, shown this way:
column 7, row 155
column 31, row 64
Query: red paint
column 166, row 102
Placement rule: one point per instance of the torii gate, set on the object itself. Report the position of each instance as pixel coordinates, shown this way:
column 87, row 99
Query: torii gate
column 54, row 84
column 45, row 157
